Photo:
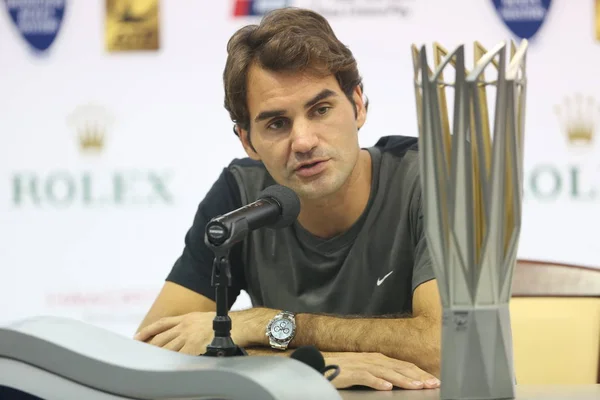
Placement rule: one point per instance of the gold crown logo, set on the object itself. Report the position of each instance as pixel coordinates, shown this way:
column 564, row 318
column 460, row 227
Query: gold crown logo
column 90, row 123
column 91, row 137
column 578, row 117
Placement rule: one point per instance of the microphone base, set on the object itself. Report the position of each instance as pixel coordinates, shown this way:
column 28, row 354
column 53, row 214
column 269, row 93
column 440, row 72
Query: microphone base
column 224, row 347
column 222, row 344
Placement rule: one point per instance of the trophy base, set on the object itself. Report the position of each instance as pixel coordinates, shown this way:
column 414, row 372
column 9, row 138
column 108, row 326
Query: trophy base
column 477, row 353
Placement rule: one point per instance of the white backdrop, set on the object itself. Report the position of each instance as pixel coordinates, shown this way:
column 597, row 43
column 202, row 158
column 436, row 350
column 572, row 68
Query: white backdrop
column 91, row 232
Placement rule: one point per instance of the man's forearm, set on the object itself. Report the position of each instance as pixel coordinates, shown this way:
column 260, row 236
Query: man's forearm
column 264, row 351
column 416, row 340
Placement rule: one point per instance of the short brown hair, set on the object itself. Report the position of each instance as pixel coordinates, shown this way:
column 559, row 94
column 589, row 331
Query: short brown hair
column 287, row 39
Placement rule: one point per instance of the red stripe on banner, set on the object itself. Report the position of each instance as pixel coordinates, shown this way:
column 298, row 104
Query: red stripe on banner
column 242, row 8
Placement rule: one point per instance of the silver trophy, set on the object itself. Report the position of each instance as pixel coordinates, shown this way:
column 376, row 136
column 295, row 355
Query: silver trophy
column 471, row 170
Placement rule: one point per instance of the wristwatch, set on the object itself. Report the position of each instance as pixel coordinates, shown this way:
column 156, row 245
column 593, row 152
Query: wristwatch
column 281, row 330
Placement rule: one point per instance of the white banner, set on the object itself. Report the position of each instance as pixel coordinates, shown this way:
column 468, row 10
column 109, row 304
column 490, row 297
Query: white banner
column 111, row 136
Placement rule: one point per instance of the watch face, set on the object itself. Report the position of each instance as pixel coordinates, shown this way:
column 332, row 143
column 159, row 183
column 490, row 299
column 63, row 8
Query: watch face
column 282, row 329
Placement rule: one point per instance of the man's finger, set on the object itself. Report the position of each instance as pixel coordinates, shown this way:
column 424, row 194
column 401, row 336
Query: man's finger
column 192, row 350
column 397, row 379
column 157, row 327
column 176, row 344
column 417, row 374
column 163, row 338
column 365, row 378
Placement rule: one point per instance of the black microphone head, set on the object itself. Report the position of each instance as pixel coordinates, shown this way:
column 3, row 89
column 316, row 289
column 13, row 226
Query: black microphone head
column 288, row 201
column 310, row 355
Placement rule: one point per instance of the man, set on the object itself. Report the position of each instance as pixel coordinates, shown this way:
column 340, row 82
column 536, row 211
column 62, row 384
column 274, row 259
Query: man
column 352, row 276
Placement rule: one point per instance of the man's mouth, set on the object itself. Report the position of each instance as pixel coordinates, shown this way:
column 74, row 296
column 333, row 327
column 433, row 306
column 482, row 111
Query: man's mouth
column 307, row 166
column 312, row 169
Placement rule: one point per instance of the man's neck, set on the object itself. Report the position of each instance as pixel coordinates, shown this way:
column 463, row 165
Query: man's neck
column 336, row 214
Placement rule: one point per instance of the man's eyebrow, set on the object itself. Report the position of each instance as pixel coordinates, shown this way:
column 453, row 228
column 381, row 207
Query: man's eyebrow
column 323, row 94
column 269, row 114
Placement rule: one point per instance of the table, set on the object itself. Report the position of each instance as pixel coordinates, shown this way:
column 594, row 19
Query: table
column 524, row 392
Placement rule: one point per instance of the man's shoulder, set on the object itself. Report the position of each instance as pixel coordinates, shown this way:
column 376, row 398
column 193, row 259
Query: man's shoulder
column 397, row 145
column 250, row 176
column 399, row 175
column 245, row 162
column 399, row 156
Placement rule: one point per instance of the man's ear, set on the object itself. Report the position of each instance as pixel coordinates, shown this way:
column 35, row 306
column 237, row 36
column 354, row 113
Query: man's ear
column 244, row 136
column 361, row 109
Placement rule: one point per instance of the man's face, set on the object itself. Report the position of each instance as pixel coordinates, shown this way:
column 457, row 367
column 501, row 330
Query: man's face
column 304, row 129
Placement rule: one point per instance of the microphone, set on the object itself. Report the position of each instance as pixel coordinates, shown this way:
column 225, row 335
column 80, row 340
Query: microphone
column 277, row 207
column 311, row 356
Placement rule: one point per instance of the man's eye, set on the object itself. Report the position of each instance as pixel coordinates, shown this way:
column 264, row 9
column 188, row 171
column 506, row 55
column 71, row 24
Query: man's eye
column 279, row 124
column 322, row 110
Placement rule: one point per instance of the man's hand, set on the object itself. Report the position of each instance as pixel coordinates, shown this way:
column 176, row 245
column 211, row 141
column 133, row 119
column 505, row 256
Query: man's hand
column 189, row 333
column 378, row 372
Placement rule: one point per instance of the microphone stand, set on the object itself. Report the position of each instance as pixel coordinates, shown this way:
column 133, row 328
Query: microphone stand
column 222, row 344
column 221, row 234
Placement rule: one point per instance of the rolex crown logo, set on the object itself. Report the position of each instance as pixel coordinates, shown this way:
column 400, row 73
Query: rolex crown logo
column 578, row 116
column 90, row 123
column 91, row 137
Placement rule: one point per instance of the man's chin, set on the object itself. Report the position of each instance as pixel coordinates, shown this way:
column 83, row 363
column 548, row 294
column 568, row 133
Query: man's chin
column 315, row 190
column 310, row 194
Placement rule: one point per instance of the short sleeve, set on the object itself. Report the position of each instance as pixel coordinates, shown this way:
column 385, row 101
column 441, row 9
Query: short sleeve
column 423, row 265
column 193, row 269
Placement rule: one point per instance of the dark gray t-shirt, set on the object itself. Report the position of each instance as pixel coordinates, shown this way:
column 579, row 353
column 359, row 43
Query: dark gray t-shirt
column 371, row 269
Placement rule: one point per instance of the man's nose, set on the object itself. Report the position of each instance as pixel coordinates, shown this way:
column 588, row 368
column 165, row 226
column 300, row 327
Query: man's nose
column 304, row 139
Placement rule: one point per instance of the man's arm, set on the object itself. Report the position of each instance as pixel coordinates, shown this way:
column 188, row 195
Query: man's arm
column 366, row 369
column 174, row 300
column 264, row 351
column 414, row 339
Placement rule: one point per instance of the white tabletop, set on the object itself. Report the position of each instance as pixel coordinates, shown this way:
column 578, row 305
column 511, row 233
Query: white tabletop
column 524, row 392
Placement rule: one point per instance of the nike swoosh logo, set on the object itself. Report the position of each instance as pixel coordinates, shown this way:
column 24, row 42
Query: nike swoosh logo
column 380, row 281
